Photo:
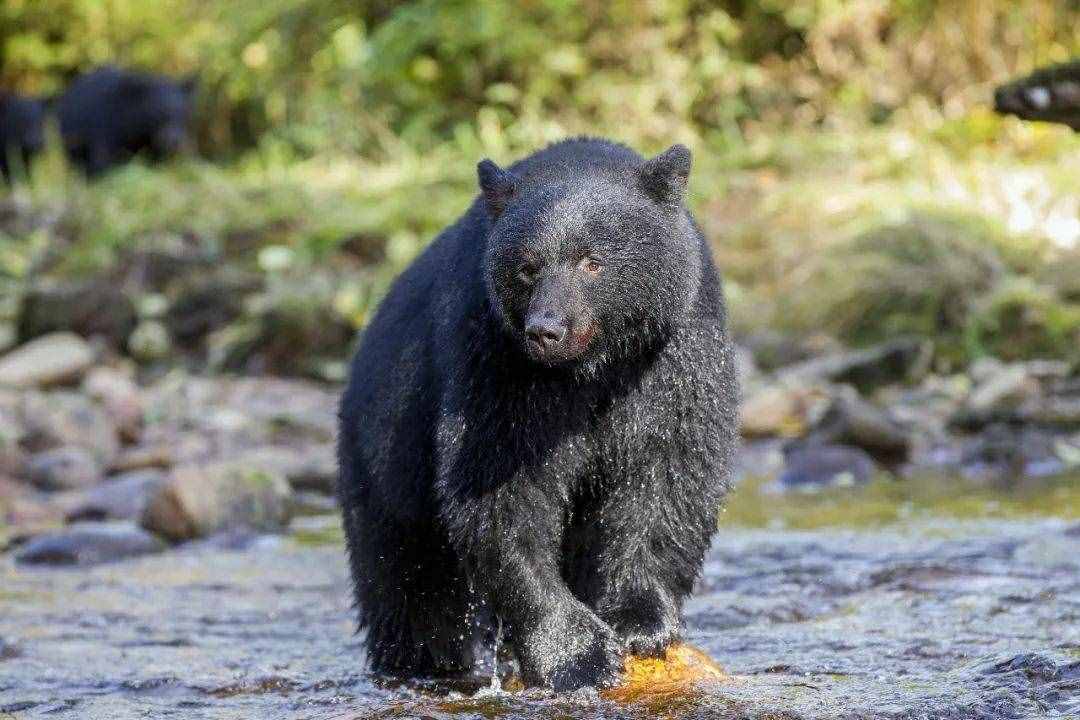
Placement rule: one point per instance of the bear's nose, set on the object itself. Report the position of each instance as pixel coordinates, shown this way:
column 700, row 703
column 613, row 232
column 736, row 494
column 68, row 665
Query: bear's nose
column 545, row 332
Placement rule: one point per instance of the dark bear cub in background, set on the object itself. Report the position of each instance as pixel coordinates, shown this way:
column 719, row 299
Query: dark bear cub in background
column 109, row 115
column 539, row 424
column 22, row 130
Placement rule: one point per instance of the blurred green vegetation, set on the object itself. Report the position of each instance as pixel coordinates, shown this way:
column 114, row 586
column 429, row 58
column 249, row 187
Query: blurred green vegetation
column 366, row 76
column 847, row 168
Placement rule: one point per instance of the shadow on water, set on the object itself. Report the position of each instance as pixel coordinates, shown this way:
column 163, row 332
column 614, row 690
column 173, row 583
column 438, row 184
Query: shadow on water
column 903, row 600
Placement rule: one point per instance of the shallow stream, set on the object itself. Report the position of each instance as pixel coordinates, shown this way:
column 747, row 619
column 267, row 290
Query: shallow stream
column 929, row 615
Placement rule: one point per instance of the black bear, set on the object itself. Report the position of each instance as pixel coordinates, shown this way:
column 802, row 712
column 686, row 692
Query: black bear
column 1051, row 95
column 539, row 423
column 109, row 115
column 22, row 130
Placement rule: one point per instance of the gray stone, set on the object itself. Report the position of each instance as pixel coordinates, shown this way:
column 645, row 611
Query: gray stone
column 783, row 409
column 98, row 307
column 901, row 360
column 149, row 341
column 61, row 418
column 200, row 500
column 64, row 468
column 49, row 360
column 312, row 468
column 123, row 497
column 120, row 397
column 850, row 420
column 89, row 544
column 1001, row 389
column 818, row 466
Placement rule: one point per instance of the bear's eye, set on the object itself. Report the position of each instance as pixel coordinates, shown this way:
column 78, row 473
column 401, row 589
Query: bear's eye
column 591, row 265
column 528, row 273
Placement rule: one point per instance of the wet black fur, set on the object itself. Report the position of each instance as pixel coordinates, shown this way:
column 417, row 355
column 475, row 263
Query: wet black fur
column 22, row 130
column 109, row 115
column 574, row 500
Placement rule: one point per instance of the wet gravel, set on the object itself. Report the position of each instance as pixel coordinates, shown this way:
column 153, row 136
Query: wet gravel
column 928, row 619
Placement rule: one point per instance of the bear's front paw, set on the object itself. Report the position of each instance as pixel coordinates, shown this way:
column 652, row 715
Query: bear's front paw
column 649, row 640
column 598, row 665
column 647, row 624
column 573, row 652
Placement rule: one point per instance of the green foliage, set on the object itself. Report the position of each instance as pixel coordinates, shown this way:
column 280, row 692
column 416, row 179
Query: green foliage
column 844, row 151
column 371, row 75
column 921, row 276
column 1022, row 320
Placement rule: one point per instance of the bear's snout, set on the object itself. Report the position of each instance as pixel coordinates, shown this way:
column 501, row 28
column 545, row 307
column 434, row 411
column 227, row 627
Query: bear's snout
column 544, row 332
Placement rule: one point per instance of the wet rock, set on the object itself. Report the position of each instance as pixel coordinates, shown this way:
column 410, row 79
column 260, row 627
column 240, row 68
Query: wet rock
column 284, row 329
column 1051, row 685
column 49, row 360
column 294, row 409
column 784, row 410
column 120, row 397
column 98, row 307
column 149, row 342
column 200, row 500
column 772, row 350
column 817, row 466
column 64, row 468
column 61, row 418
column 1058, row 411
column 89, row 544
column 306, row 502
column 8, row 651
column 207, row 304
column 901, row 360
column 999, row 389
column 123, row 497
column 850, row 420
column 152, row 455
column 21, row 505
column 682, row 670
column 1005, row 454
column 12, row 457
column 929, row 407
column 311, row 468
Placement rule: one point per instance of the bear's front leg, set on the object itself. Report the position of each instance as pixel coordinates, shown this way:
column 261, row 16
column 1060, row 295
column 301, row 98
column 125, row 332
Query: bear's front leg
column 511, row 537
column 640, row 563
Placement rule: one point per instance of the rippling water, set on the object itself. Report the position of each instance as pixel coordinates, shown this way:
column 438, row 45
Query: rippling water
column 924, row 619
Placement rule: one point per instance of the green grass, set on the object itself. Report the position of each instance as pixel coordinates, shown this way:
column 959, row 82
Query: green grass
column 789, row 213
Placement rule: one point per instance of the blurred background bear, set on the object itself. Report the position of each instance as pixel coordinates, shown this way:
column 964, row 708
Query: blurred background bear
column 22, row 130
column 109, row 115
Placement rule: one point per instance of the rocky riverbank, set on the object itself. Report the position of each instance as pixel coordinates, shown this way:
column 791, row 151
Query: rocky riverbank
column 101, row 458
column 97, row 464
column 846, row 417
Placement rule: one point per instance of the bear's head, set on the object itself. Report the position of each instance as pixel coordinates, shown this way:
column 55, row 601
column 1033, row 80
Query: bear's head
column 599, row 266
column 159, row 111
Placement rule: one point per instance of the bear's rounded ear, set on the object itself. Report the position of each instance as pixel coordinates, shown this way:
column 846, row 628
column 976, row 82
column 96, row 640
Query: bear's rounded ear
column 497, row 186
column 664, row 176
